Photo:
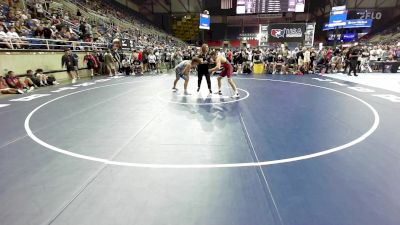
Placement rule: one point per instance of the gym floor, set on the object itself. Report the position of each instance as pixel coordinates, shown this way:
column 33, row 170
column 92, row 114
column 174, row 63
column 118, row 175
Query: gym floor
column 292, row 150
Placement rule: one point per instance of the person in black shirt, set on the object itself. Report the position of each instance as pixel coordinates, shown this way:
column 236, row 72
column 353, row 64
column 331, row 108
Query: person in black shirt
column 202, row 68
column 270, row 58
column 346, row 54
column 279, row 64
column 353, row 58
column 291, row 66
column 69, row 62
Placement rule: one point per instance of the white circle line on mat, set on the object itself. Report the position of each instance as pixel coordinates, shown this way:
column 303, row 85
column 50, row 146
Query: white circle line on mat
column 203, row 103
column 207, row 166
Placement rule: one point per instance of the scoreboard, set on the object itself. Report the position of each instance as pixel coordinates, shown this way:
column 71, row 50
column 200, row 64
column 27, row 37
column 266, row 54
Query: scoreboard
column 269, row 6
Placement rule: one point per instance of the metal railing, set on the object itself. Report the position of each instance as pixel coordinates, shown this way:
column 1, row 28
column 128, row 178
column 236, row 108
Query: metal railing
column 51, row 44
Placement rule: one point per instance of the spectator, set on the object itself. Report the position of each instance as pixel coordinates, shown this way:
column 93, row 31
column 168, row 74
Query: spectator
column 14, row 37
column 152, row 61
column 47, row 80
column 126, row 66
column 17, row 83
column 36, row 80
column 109, row 63
column 4, row 39
column 68, row 61
column 91, row 63
column 5, row 89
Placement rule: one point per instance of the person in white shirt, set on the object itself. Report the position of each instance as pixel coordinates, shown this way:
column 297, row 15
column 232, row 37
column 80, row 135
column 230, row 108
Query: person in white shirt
column 373, row 54
column 4, row 39
column 158, row 61
column 126, row 65
column 307, row 58
column 152, row 61
column 14, row 37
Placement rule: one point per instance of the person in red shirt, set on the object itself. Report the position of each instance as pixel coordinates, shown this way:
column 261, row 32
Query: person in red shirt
column 229, row 56
column 91, row 63
column 17, row 83
column 140, row 55
column 4, row 89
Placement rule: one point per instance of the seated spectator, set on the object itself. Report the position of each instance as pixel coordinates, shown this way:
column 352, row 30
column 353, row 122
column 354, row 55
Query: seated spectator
column 279, row 65
column 126, row 66
column 46, row 80
column 14, row 37
column 21, row 29
column 17, row 83
column 291, row 65
column 42, row 32
column 4, row 39
column 4, row 89
column 35, row 79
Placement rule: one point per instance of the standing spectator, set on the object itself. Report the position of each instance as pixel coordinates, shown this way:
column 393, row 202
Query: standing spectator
column 152, row 61
column 76, row 63
column 168, row 59
column 158, row 61
column 100, row 60
column 109, row 63
column 307, row 59
column 229, row 56
column 91, row 63
column 145, row 57
column 68, row 61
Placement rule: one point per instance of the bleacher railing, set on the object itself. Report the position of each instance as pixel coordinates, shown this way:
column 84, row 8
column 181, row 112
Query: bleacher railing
column 52, row 44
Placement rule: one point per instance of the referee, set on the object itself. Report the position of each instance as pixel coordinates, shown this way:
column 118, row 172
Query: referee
column 202, row 69
column 353, row 58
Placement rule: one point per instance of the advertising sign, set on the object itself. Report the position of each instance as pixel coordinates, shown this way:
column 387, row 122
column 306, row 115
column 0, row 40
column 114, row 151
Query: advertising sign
column 286, row 32
column 204, row 21
column 359, row 23
column 263, row 36
column 309, row 35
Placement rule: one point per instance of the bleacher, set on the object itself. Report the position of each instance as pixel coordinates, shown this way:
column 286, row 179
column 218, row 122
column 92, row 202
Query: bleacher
column 112, row 20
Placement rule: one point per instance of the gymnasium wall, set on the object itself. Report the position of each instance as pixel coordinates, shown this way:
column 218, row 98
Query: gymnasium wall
column 20, row 62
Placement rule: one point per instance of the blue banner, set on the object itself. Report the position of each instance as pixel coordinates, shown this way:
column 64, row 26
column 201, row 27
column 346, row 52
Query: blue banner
column 204, row 21
column 359, row 23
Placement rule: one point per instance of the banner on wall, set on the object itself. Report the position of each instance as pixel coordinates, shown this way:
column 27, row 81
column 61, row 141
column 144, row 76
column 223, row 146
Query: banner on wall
column 286, row 32
column 309, row 35
column 263, row 36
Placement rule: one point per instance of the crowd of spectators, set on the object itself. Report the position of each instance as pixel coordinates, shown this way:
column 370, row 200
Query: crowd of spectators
column 20, row 20
column 305, row 60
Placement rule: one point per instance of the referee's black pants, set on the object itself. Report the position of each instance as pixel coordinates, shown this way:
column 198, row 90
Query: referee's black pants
column 200, row 74
column 353, row 67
